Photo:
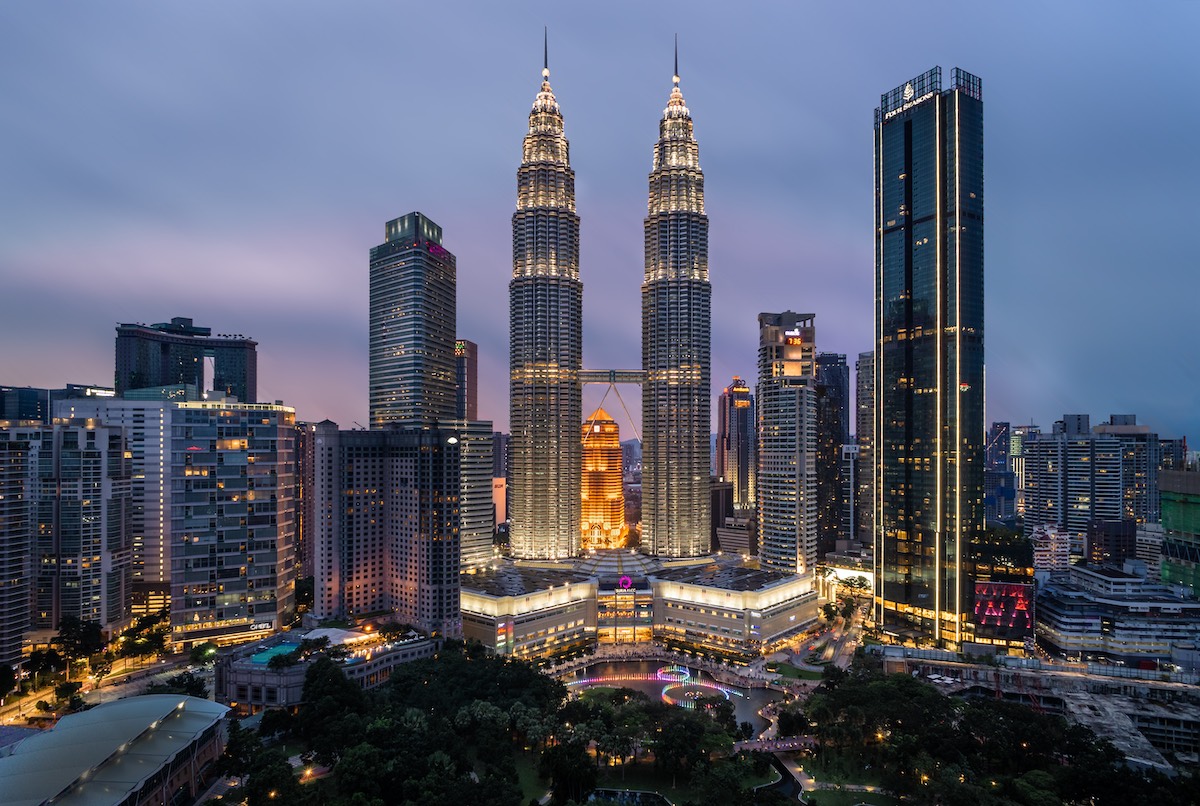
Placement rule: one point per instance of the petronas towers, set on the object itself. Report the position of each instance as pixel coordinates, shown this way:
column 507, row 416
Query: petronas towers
column 545, row 328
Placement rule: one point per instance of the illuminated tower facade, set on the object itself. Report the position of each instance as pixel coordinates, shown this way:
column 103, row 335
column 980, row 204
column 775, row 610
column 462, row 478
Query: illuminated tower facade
column 546, row 342
column 736, row 441
column 787, row 442
column 676, row 338
column 602, row 493
column 929, row 435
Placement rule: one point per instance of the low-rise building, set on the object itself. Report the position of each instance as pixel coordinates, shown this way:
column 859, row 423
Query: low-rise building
column 153, row 749
column 247, row 682
column 717, row 606
column 1110, row 614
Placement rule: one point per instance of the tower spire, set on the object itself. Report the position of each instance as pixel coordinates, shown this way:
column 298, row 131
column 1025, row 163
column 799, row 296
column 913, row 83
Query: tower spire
column 675, row 77
column 545, row 51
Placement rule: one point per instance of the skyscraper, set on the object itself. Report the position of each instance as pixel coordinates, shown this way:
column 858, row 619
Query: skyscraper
column 833, row 431
column 16, row 548
column 602, row 493
column 787, row 442
column 928, row 352
column 173, row 352
column 412, row 373
column 864, row 435
column 736, row 441
column 466, row 375
column 676, row 343
column 545, row 342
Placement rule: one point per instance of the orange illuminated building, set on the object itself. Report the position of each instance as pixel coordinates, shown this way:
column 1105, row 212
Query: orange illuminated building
column 603, row 513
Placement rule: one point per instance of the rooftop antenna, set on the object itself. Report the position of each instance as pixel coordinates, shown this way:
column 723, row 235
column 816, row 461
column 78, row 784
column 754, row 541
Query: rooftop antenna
column 545, row 51
column 676, row 76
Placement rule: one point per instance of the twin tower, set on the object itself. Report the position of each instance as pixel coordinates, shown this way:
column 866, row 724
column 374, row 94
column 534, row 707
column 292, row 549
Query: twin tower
column 546, row 344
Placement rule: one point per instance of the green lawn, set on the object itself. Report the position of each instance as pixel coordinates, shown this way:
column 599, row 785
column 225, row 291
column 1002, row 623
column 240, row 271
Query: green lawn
column 527, row 776
column 833, row 769
column 830, row 797
column 643, row 776
column 788, row 670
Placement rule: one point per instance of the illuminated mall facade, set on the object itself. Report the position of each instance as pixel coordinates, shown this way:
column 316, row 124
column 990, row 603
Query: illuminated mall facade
column 715, row 606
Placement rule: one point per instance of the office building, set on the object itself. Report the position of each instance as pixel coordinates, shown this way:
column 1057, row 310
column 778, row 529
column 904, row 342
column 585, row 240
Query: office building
column 233, row 520
column 174, row 352
column 1016, row 461
column 386, row 531
column 412, row 372
column 833, row 431
column 929, row 434
column 16, row 548
column 676, row 344
column 476, row 518
column 787, row 442
column 864, row 435
column 1180, row 566
column 545, row 342
column 602, row 493
column 466, row 383
column 33, row 404
column 736, row 441
column 849, row 510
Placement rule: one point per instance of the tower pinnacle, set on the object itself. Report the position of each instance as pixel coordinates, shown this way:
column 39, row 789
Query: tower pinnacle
column 546, row 52
column 675, row 77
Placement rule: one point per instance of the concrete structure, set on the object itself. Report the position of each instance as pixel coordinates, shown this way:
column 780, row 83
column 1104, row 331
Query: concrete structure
column 676, row 345
column 244, row 680
column 738, row 536
column 412, row 278
column 929, row 336
column 545, row 342
column 174, row 353
column 233, row 520
column 602, row 494
column 1051, row 551
column 787, row 442
column 737, row 440
column 139, row 751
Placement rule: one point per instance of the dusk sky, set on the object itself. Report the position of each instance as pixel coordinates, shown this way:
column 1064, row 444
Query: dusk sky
column 234, row 162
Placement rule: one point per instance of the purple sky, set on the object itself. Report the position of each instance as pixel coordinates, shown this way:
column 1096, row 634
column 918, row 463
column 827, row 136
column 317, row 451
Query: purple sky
column 234, row 163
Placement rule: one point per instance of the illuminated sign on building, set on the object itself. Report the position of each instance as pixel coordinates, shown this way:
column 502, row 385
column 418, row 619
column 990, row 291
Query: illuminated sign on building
column 1004, row 610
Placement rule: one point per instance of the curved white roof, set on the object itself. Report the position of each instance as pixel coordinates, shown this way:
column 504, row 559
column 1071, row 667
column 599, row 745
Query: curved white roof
column 104, row 753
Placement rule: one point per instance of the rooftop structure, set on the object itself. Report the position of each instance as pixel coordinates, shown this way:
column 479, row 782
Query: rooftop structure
column 114, row 752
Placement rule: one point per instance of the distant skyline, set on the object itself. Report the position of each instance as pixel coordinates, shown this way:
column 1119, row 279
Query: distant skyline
column 235, row 163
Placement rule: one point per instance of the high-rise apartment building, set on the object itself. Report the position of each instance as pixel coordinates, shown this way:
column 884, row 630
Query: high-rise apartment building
column 545, row 342
column 602, row 492
column 787, row 442
column 476, row 524
column 676, row 345
column 1072, row 479
column 79, row 494
column 174, row 352
column 833, row 431
column 736, row 441
column 864, row 435
column 233, row 520
column 412, row 372
column 928, row 353
column 385, row 529
column 16, row 548
column 466, row 385
column 147, row 428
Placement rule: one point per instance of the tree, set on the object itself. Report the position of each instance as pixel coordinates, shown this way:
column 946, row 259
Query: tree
column 242, row 746
column 830, row 611
column 100, row 665
column 8, row 679
column 202, row 654
column 77, row 638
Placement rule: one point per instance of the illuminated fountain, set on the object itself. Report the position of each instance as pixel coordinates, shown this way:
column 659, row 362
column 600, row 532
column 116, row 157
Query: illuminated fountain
column 681, row 687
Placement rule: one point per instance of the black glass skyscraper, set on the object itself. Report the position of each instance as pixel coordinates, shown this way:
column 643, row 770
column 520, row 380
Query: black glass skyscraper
column 929, row 352
column 833, row 432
